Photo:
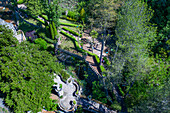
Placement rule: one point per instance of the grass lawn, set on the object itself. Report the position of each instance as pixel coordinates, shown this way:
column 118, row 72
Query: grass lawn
column 31, row 21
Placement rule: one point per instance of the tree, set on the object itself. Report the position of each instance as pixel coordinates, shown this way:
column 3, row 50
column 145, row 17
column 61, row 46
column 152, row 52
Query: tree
column 162, row 20
column 6, row 37
column 155, row 89
column 68, row 5
column 131, row 61
column 103, row 12
column 26, row 77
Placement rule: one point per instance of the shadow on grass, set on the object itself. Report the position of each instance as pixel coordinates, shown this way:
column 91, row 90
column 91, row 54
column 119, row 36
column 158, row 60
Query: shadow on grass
column 26, row 27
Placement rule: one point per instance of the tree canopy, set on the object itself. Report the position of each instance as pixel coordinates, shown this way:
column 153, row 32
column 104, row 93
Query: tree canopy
column 6, row 37
column 26, row 76
column 131, row 62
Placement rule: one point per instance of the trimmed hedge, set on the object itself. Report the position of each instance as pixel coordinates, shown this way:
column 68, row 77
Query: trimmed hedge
column 72, row 25
column 47, row 27
column 67, row 18
column 48, row 40
column 55, row 30
column 71, row 31
column 20, row 2
column 51, row 31
column 44, row 17
column 102, row 68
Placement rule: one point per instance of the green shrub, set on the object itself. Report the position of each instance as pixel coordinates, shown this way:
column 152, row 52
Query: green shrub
column 55, row 30
column 77, row 92
column 74, row 102
column 51, row 31
column 70, row 19
column 82, row 14
column 64, row 75
column 106, row 61
column 116, row 106
column 72, row 25
column 48, row 40
column 71, row 31
column 102, row 68
column 97, row 59
column 73, row 15
column 20, row 2
column 42, row 43
column 120, row 89
column 61, row 85
column 51, row 106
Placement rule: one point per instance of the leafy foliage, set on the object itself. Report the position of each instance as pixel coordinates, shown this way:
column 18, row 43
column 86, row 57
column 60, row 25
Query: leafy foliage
column 73, row 15
column 162, row 20
column 42, row 43
column 98, row 93
column 6, row 37
column 51, row 31
column 93, row 34
column 26, row 76
column 131, row 62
